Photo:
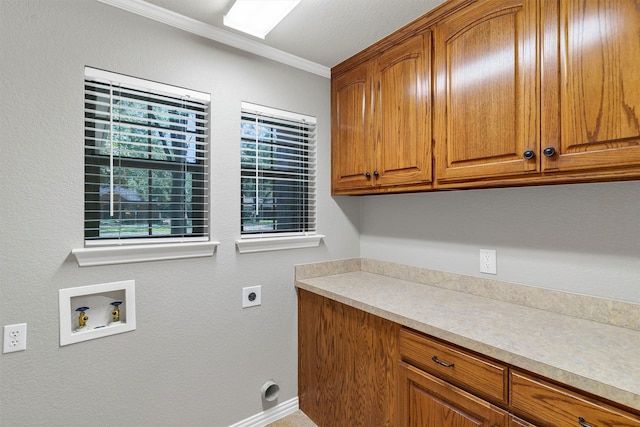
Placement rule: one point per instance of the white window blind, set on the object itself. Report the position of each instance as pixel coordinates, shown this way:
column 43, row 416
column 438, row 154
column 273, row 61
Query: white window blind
column 278, row 172
column 146, row 161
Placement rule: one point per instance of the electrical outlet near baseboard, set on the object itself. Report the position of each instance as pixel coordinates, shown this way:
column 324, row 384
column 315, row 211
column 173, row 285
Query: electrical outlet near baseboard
column 15, row 338
column 488, row 261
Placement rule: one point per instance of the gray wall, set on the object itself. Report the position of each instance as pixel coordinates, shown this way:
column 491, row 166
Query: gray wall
column 581, row 238
column 197, row 358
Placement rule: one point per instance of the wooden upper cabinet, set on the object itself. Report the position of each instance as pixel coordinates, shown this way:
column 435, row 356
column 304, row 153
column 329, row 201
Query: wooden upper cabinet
column 381, row 138
column 522, row 92
column 522, row 100
column 486, row 93
column 351, row 128
column 591, row 85
column 403, row 102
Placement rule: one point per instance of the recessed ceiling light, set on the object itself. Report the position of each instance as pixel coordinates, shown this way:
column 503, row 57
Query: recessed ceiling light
column 258, row 17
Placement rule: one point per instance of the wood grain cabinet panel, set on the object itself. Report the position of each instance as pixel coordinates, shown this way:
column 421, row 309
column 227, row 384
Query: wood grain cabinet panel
column 403, row 100
column 381, row 127
column 508, row 92
column 517, row 422
column 427, row 401
column 485, row 378
column 358, row 369
column 348, row 364
column 522, row 100
column 549, row 405
column 485, row 92
column 591, row 85
column 352, row 129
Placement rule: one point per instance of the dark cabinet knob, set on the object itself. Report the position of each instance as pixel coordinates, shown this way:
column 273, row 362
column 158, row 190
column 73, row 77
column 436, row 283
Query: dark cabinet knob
column 529, row 154
column 376, row 174
column 549, row 152
column 367, row 175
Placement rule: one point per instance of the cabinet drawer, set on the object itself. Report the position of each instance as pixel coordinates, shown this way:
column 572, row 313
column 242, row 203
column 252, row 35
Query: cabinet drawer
column 517, row 422
column 426, row 400
column 552, row 405
column 466, row 370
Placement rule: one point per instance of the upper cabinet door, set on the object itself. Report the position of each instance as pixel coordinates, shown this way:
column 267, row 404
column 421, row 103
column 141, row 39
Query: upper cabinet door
column 403, row 116
column 351, row 126
column 591, row 84
column 486, row 98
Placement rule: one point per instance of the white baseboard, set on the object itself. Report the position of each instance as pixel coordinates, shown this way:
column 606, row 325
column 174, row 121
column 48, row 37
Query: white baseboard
column 270, row 415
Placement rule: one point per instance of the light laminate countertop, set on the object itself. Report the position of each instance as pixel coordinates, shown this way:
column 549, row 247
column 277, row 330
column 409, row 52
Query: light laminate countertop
column 595, row 357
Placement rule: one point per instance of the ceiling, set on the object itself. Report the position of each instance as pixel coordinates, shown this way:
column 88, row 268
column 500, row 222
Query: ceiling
column 325, row 32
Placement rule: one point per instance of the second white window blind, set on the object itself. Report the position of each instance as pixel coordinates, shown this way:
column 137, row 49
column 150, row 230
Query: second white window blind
column 278, row 172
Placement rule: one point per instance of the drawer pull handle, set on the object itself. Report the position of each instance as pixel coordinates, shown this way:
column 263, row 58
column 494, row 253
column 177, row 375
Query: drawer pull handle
column 582, row 422
column 440, row 362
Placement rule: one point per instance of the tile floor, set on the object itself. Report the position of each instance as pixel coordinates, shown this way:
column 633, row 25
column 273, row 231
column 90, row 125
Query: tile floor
column 297, row 419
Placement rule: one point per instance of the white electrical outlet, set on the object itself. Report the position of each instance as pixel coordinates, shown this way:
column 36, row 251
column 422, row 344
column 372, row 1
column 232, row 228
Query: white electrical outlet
column 251, row 296
column 488, row 261
column 15, row 338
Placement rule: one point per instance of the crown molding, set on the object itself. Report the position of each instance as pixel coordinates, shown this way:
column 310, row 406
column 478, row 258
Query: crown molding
column 159, row 14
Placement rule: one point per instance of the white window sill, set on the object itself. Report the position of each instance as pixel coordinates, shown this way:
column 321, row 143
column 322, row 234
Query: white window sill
column 263, row 244
column 109, row 255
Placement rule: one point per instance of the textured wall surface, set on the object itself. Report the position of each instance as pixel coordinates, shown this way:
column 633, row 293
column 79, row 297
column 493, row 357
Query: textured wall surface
column 197, row 358
column 582, row 238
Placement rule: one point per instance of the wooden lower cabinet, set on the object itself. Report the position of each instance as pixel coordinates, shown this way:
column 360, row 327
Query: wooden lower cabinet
column 347, row 364
column 517, row 422
column 356, row 369
column 427, row 401
column 551, row 405
column 481, row 376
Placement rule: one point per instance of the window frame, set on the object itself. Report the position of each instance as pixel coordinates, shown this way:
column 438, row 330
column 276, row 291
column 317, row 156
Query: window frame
column 104, row 251
column 278, row 240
